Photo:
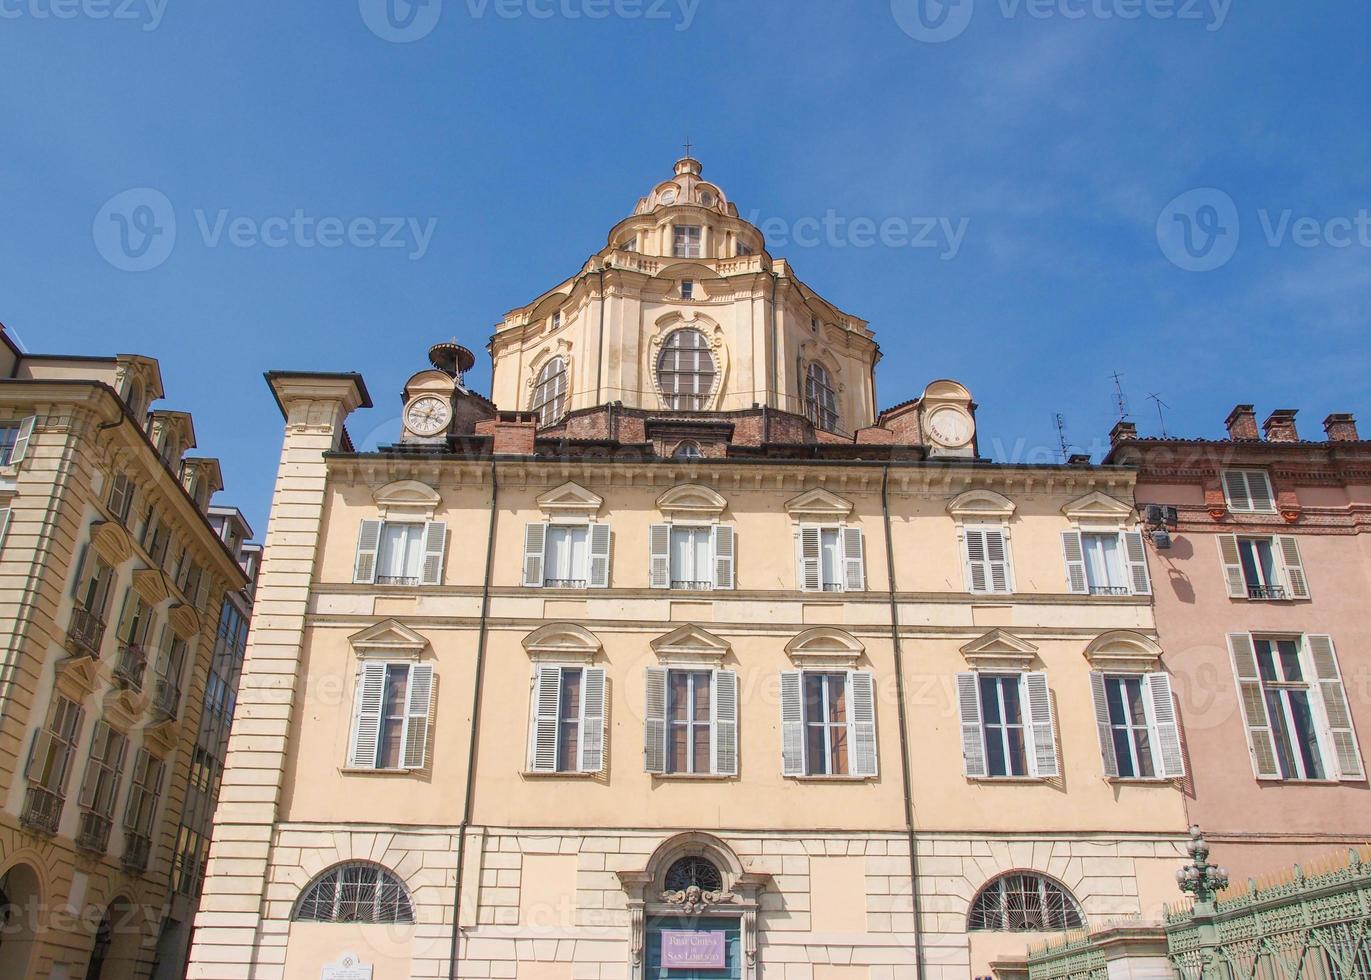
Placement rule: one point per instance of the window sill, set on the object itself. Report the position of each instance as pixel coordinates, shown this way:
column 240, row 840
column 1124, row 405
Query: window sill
column 692, row 776
column 832, row 779
column 530, row 774
column 361, row 771
column 1141, row 780
column 1009, row 780
column 1282, row 781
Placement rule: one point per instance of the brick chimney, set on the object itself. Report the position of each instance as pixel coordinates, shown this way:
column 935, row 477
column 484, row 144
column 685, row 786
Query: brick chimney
column 513, row 433
column 1242, row 423
column 1123, row 431
column 1341, row 427
column 1280, row 426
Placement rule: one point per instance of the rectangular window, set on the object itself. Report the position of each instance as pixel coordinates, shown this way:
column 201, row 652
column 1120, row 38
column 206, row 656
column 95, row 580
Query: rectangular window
column 392, row 739
column 692, row 557
column 1249, row 491
column 566, row 733
column 1105, row 570
column 1003, row 725
column 688, row 727
column 1130, row 732
column 826, row 724
column 567, row 556
column 1287, row 695
column 390, row 721
column 53, row 747
column 401, row 554
column 987, row 560
column 691, row 722
column 120, row 497
column 1008, row 726
column 9, row 435
column 832, row 559
column 1259, row 571
column 686, row 242
column 744, row 250
column 1263, row 567
column 103, row 770
column 569, row 721
column 144, row 793
column 687, row 289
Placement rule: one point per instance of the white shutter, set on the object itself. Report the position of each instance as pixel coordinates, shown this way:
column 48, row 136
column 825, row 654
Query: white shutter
column 90, row 782
column 854, row 560
column 542, row 735
column 1235, row 488
column 1232, row 566
column 1253, row 700
column 1075, row 563
column 861, row 726
column 535, row 539
column 654, row 721
column 1136, row 554
column 368, row 543
column 1040, row 723
column 723, row 720
column 1295, row 579
column 724, row 549
column 417, row 710
column 599, row 536
column 592, row 758
column 792, row 723
column 4, row 524
column 366, row 717
column 21, row 441
column 997, row 557
column 810, row 560
column 1259, row 488
column 659, row 559
column 435, row 552
column 977, row 575
column 1103, row 725
column 973, row 734
column 1166, row 733
column 120, row 496
column 1337, row 713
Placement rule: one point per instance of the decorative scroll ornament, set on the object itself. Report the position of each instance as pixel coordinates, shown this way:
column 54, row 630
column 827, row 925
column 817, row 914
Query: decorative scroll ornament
column 694, row 899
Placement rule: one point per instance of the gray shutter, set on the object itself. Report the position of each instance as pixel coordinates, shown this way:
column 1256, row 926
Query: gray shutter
column 724, row 550
column 535, row 540
column 542, row 736
column 366, row 717
column 90, row 781
column 1232, row 566
column 1337, row 712
column 973, row 733
column 977, row 575
column 997, row 557
column 39, row 749
column 592, row 720
column 654, row 721
column 22, row 440
column 1253, row 700
column 1166, row 733
column 1259, row 488
column 861, row 726
column 417, row 711
column 854, row 560
column 1103, row 725
column 659, row 559
column 75, row 719
column 121, row 751
column 435, row 552
column 1295, row 578
column 202, row 589
column 368, row 543
column 599, row 538
column 1044, row 760
column 4, row 524
column 1075, row 563
column 134, row 805
column 792, row 723
column 811, row 570
column 121, row 495
column 1136, row 555
column 1235, row 486
column 723, row 718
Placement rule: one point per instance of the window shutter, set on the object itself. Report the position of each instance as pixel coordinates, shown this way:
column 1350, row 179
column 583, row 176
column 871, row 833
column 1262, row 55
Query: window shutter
column 1136, row 554
column 435, row 551
column 1232, row 566
column 1166, row 734
column 90, row 781
column 592, row 720
column 976, row 572
column 1259, row 490
column 542, row 737
column 120, row 496
column 599, row 556
column 1075, row 563
column 1044, row 748
column 420, row 698
column 75, row 720
column 1102, row 724
column 133, row 808
column 368, row 543
column 535, row 539
column 1235, row 486
column 811, row 571
column 654, row 721
column 973, row 735
column 723, row 717
column 1336, row 711
column 22, row 440
column 366, row 720
column 4, row 524
column 80, row 580
column 861, row 726
column 854, row 560
column 39, row 749
column 1259, row 741
column 202, row 589
column 997, row 555
column 659, row 565
column 724, row 548
column 1295, row 579
column 792, row 723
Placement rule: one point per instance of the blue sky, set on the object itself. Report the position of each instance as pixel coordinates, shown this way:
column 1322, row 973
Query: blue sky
column 1054, row 133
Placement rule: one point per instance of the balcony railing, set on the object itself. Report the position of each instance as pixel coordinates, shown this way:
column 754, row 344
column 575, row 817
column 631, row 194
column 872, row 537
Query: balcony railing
column 396, row 580
column 691, row 586
column 1109, row 590
column 130, row 668
column 166, row 699
column 93, row 835
column 564, row 583
column 1266, row 592
column 136, row 851
column 42, row 810
column 833, row 587
column 85, row 633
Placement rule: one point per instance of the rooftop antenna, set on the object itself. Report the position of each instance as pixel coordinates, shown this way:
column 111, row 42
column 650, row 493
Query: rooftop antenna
column 1061, row 437
column 1120, row 400
column 1161, row 417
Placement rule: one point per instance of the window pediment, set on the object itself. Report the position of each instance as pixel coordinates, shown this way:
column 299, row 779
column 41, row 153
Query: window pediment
column 1124, row 650
column 563, row 642
column 691, row 500
column 985, row 506
column 184, row 621
column 407, row 499
column 691, row 645
column 389, row 638
column 1099, row 509
column 818, row 505
column 570, row 498
column 825, row 646
column 999, row 650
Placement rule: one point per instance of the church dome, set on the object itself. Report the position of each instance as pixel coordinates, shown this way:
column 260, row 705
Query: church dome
column 687, row 188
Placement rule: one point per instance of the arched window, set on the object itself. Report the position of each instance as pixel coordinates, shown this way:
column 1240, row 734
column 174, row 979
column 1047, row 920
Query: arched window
column 686, row 371
column 355, row 892
column 821, row 403
column 1020, row 902
column 549, row 394
column 693, row 871
column 689, row 449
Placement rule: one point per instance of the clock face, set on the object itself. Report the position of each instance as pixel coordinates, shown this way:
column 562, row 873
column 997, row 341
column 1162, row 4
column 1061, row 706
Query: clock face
column 427, row 415
column 950, row 427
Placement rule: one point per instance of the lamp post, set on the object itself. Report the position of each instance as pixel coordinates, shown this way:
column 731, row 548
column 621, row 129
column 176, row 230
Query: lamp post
column 1205, row 880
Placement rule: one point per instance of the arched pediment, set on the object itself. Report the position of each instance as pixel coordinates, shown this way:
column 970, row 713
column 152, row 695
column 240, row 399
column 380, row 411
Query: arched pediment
column 570, row 498
column 1098, row 508
column 562, row 641
column 825, row 646
column 981, row 505
column 409, row 498
column 946, row 388
column 1124, row 650
column 388, row 638
column 818, row 505
column 691, row 644
column 691, row 500
column 999, row 649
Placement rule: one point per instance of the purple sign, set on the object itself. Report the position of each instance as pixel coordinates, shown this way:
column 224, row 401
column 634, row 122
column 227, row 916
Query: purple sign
column 690, row 950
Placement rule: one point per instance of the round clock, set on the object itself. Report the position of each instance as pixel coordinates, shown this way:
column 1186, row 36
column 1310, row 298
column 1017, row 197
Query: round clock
column 427, row 415
column 950, row 427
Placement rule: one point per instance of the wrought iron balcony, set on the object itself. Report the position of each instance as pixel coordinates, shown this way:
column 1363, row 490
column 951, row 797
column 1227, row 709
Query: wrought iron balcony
column 130, row 668
column 42, row 810
column 166, row 699
column 93, row 835
column 692, row 586
column 85, row 633
column 1109, row 590
column 1266, row 592
column 564, row 583
column 833, row 587
column 396, row 580
column 136, row 851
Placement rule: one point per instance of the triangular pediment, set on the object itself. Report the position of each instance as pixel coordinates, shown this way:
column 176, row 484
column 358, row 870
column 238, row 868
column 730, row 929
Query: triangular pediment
column 562, row 641
column 692, row 644
column 388, row 636
column 570, row 498
column 999, row 648
column 1098, row 507
column 691, row 499
column 818, row 504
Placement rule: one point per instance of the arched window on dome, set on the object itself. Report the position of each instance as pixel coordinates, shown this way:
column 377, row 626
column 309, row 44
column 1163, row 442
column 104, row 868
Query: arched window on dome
column 549, row 393
column 355, row 892
column 686, row 371
column 1024, row 902
column 821, row 401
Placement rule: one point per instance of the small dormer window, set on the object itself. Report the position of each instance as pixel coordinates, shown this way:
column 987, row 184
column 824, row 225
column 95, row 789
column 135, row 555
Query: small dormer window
column 557, row 320
column 687, row 289
column 630, row 246
column 707, row 199
column 689, row 450
column 744, row 249
column 686, row 242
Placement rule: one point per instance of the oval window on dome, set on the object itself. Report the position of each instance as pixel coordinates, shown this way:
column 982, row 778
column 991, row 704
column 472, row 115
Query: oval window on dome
column 669, row 196
column 686, row 371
